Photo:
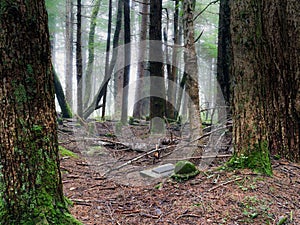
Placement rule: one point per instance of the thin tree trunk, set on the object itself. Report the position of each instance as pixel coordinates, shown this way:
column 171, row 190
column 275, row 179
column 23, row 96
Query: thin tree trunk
column 181, row 80
column 127, row 56
column 69, row 52
column 79, row 61
column 172, row 110
column 118, row 63
column 169, row 103
column 91, row 53
column 107, row 55
column 64, row 106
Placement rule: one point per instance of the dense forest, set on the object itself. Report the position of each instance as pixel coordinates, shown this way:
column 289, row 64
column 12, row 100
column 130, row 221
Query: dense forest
column 113, row 107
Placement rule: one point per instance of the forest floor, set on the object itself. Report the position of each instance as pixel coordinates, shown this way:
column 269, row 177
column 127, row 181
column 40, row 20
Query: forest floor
column 105, row 185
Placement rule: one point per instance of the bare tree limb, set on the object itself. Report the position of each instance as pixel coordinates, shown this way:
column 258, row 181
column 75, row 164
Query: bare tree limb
column 203, row 10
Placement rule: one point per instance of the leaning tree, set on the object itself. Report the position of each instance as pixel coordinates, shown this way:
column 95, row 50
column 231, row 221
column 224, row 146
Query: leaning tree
column 266, row 81
column 30, row 183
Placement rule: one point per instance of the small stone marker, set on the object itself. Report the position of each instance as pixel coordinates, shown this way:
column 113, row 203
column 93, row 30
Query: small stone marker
column 159, row 171
column 163, row 168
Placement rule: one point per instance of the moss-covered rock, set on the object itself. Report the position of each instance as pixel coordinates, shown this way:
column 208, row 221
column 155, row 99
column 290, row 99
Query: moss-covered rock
column 184, row 170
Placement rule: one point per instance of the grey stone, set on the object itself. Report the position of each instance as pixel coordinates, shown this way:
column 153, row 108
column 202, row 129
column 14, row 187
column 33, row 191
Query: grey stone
column 159, row 171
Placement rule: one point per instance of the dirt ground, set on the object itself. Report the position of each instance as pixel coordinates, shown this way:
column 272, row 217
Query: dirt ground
column 215, row 196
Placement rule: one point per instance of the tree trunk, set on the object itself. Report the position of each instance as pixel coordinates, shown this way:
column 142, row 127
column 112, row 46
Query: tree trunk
column 191, row 72
column 64, row 106
column 107, row 53
column 127, row 56
column 266, row 68
column 224, row 59
column 140, row 104
column 117, row 62
column 30, row 183
column 172, row 111
column 170, row 82
column 69, row 52
column 157, row 86
column 79, row 62
column 91, row 52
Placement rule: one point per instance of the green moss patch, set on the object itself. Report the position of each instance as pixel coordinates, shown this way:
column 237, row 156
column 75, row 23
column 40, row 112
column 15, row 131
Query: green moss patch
column 66, row 153
column 256, row 159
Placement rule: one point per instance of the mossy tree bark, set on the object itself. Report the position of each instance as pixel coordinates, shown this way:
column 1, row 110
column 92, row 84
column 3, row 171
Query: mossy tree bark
column 266, row 69
column 30, row 182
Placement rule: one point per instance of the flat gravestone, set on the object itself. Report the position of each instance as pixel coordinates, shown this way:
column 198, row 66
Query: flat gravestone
column 159, row 171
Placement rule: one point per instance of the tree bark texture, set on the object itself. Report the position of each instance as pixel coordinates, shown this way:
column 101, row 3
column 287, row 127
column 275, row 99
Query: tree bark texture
column 191, row 71
column 266, row 70
column 107, row 54
column 140, row 107
column 79, row 66
column 30, row 182
column 224, row 56
column 127, row 57
column 69, row 51
column 172, row 111
column 157, row 89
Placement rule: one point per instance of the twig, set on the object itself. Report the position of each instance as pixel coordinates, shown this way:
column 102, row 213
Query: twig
column 201, row 157
column 213, row 2
column 81, row 202
column 225, row 183
column 188, row 215
column 199, row 36
column 149, row 215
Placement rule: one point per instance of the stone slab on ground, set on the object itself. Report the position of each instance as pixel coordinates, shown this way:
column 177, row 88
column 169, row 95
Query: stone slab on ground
column 159, row 171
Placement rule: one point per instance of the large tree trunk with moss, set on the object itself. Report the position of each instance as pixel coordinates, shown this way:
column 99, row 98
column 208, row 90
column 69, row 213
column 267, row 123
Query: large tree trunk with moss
column 266, row 69
column 30, row 182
